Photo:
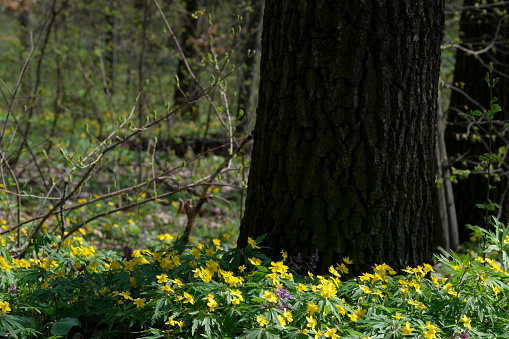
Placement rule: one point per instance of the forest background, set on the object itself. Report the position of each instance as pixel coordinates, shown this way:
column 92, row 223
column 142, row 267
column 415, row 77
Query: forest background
column 127, row 124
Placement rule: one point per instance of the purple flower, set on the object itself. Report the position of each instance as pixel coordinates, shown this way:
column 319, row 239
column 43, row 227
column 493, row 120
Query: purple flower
column 128, row 253
column 463, row 336
column 283, row 296
column 298, row 262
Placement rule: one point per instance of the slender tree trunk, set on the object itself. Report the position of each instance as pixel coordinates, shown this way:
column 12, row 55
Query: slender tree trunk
column 188, row 31
column 446, row 233
column 343, row 158
column 111, row 47
column 249, row 77
column 478, row 30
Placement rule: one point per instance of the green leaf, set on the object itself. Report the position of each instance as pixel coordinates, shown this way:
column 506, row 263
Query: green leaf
column 253, row 334
column 476, row 113
column 63, row 327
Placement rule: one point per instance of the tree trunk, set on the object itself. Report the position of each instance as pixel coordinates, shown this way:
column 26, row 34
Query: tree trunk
column 478, row 28
column 249, row 76
column 110, row 48
column 188, row 31
column 445, row 230
column 343, row 158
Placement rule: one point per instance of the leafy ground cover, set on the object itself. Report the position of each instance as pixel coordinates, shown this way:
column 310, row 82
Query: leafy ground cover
column 212, row 291
column 124, row 273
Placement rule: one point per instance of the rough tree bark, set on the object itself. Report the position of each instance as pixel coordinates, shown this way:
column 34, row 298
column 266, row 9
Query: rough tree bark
column 481, row 28
column 343, row 157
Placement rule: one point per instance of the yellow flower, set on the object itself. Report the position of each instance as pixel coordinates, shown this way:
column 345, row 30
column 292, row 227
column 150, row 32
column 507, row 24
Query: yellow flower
column 236, row 301
column 311, row 322
column 126, row 295
column 284, row 254
column 204, row 274
column 413, row 302
column 211, row 302
column 242, row 268
column 230, row 279
column 302, row 287
column 178, row 282
column 188, row 298
column 360, row 312
column 334, row 272
column 255, row 261
column 431, row 330
column 429, row 335
column 328, row 289
column 342, row 268
column 466, row 320
column 171, row 322
column 166, row 288
column 77, row 266
column 342, row 311
column 261, row 320
column 270, row 296
column 288, row 316
column 366, row 277
column 353, row 317
column 128, row 265
column 278, row 267
column 506, row 240
column 209, row 252
column 115, row 265
column 4, row 306
column 347, row 261
column 407, row 329
column 217, row 242
column 236, row 293
column 162, row 278
column 312, row 308
column 282, row 320
column 318, row 334
column 398, row 316
column 331, row 333
column 252, row 243
column 496, row 290
column 365, row 289
column 421, row 306
column 273, row 276
column 47, row 264
column 196, row 253
column 139, row 302
column 212, row 266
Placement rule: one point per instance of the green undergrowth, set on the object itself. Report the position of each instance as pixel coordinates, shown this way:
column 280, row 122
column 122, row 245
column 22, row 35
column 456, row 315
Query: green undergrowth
column 177, row 291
